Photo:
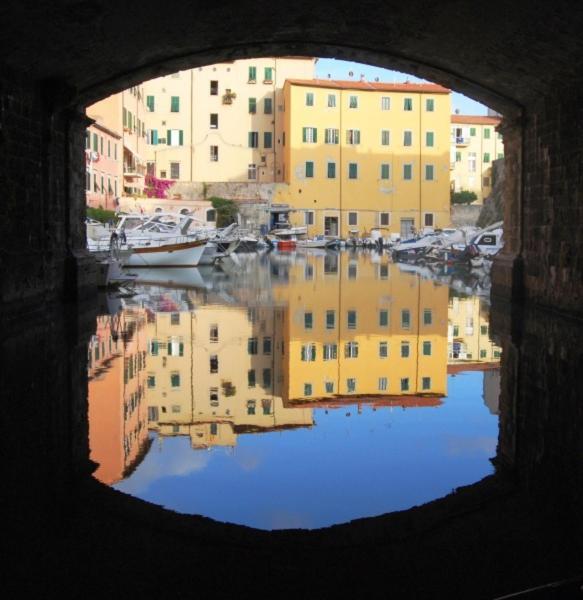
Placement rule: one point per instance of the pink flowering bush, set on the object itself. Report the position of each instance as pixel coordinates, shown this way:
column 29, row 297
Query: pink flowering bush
column 157, row 188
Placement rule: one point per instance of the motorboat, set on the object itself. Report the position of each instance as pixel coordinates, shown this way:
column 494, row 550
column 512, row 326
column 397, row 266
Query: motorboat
column 286, row 239
column 319, row 241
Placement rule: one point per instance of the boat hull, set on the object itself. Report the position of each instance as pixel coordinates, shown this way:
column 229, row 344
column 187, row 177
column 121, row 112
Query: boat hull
column 185, row 254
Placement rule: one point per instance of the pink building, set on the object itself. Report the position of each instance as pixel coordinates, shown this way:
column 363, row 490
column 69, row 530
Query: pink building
column 103, row 166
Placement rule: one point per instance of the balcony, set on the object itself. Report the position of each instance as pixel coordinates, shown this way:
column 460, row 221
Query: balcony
column 462, row 141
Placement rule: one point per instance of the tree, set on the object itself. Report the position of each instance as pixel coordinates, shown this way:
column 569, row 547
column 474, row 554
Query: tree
column 463, row 197
column 227, row 211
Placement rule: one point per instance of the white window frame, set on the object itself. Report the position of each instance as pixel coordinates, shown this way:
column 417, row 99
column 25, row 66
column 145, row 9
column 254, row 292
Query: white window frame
column 385, row 103
column 407, row 165
column 309, row 215
column 388, row 134
column 432, row 178
column 405, row 132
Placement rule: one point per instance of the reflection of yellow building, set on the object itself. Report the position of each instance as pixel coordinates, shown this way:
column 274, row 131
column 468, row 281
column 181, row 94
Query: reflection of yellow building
column 468, row 333
column 362, row 155
column 474, row 145
column 363, row 327
column 215, row 372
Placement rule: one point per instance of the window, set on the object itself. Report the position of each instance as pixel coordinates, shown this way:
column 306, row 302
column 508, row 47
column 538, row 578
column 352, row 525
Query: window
column 429, row 172
column 385, row 137
column 214, row 363
column 486, row 133
column 427, row 317
column 408, row 172
column 308, row 352
column 407, row 138
column 154, row 347
column 405, row 318
column 383, row 384
column 175, row 347
column 309, row 135
column 484, row 329
column 331, row 171
column 267, row 139
column 308, row 214
column 307, row 389
column 267, row 106
column 309, row 168
column 500, row 155
column 251, row 380
column 429, row 104
column 175, row 137
column 174, row 170
column 266, row 406
column 458, row 157
column 429, row 139
column 214, row 153
column 483, row 354
column 351, row 350
column 266, row 378
column 330, row 351
column 252, row 105
column 405, row 350
column 472, row 131
column 383, row 349
column 309, row 99
column 405, row 384
column 408, row 104
column 151, row 381
column 175, row 380
column 251, row 407
column 329, row 387
column 456, row 330
column 331, row 136
column 496, row 353
column 385, row 103
column 252, row 75
column 353, row 218
column 214, row 121
column 426, row 383
column 150, row 103
column 351, row 319
column 351, row 385
column 211, row 215
column 252, row 345
column 152, row 138
column 252, row 171
column 267, row 345
column 253, row 139
column 486, row 157
column 352, row 270
column 174, row 103
column 268, row 75
column 383, row 318
column 353, row 102
column 353, row 137
column 308, row 272
column 331, row 100
column 384, row 219
column 330, row 319
column 426, row 348
column 472, row 162
column 385, row 171
column 308, row 320
column 214, row 88
column 352, row 172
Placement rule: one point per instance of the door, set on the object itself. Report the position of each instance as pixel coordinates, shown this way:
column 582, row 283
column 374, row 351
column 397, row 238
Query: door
column 407, row 228
column 330, row 225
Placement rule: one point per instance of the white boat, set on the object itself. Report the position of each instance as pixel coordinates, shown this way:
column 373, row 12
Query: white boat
column 166, row 252
column 318, row 242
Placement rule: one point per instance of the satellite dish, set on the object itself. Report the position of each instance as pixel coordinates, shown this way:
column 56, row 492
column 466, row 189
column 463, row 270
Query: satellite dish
column 376, row 79
column 350, row 73
column 329, row 76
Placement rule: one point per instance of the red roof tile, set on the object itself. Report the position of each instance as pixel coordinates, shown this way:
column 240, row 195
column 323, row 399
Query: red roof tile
column 475, row 119
column 372, row 86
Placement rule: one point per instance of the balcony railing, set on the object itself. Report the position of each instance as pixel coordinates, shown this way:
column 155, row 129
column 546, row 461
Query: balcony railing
column 462, row 141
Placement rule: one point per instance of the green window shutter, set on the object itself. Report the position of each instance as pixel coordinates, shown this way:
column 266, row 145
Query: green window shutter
column 429, row 172
column 174, row 104
column 486, row 133
column 268, row 74
column 252, row 105
column 267, row 139
column 181, row 137
column 250, row 139
column 473, row 131
column 331, row 170
column 429, row 138
column 180, row 349
column 429, row 105
column 315, row 135
column 268, row 106
column 458, row 157
column 408, row 104
column 500, row 155
column 252, row 73
column 150, row 103
column 384, row 171
column 95, row 142
column 486, row 157
column 407, row 172
column 304, row 134
column 168, row 137
column 154, row 137
column 352, row 170
column 309, row 169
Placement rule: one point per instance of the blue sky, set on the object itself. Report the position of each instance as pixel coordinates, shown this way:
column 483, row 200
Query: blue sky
column 340, row 69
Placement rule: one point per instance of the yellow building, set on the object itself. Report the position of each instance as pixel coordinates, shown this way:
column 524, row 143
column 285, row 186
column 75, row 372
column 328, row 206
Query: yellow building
column 221, row 123
column 474, row 145
column 361, row 156
column 363, row 328
column 468, row 333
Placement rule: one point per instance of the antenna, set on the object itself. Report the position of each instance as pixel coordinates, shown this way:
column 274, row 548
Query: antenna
column 376, row 79
column 329, row 76
column 350, row 74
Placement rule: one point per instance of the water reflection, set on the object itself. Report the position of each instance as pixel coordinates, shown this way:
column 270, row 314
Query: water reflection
column 374, row 388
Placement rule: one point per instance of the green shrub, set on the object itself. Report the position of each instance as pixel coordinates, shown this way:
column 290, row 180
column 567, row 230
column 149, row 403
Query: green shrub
column 100, row 214
column 463, row 197
column 227, row 211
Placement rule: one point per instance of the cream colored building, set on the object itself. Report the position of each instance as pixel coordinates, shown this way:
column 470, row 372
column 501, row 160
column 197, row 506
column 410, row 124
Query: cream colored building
column 221, row 123
column 475, row 143
column 361, row 156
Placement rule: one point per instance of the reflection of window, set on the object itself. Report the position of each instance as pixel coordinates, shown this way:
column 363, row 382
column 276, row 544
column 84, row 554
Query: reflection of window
column 214, row 153
column 153, row 413
column 405, row 384
column 329, row 386
column 175, row 379
column 250, row 407
column 308, row 352
column 214, row 333
column 383, row 349
column 266, row 406
column 251, row 378
column 427, row 317
column 456, row 330
column 352, row 270
column 307, row 389
column 266, row 378
column 330, row 351
column 405, row 318
column 426, row 383
column 252, row 345
column 308, row 272
column 483, row 329
column 266, row 345
column 330, row 319
column 351, row 319
column 214, row 363
column 214, row 121
column 214, row 430
column 351, row 385
column 383, row 318
column 483, row 353
column 405, row 349
column 383, row 384
column 175, row 319
column 351, row 350
column 151, row 381
column 175, row 408
column 308, row 320
column 214, row 88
